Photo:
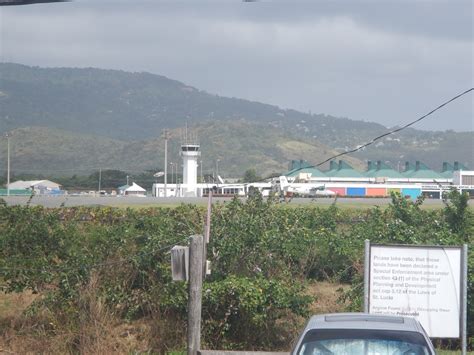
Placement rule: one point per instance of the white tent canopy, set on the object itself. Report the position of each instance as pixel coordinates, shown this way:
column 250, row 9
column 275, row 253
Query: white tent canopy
column 134, row 189
column 20, row 184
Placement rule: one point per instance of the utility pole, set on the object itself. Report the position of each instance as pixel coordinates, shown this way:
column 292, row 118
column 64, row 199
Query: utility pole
column 8, row 164
column 100, row 179
column 196, row 248
column 166, row 137
column 172, row 173
column 207, row 233
column 202, row 181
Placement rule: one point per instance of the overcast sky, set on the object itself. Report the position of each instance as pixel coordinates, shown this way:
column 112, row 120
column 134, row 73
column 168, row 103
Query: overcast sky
column 380, row 61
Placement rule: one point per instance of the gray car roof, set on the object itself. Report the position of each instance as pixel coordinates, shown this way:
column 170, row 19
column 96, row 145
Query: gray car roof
column 362, row 321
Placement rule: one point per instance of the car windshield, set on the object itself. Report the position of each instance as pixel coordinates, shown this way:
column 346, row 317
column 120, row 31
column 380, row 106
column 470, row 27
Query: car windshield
column 363, row 342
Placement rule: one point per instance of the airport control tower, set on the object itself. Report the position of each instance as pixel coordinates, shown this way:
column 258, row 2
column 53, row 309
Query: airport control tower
column 190, row 154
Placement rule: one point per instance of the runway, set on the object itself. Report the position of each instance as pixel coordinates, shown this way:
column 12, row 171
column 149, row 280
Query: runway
column 113, row 201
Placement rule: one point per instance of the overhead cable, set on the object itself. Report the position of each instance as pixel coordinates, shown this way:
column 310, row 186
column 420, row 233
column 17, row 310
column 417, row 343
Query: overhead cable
column 390, row 132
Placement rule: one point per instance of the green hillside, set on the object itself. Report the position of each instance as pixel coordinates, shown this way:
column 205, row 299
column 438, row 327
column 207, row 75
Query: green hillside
column 134, row 105
column 132, row 108
column 239, row 145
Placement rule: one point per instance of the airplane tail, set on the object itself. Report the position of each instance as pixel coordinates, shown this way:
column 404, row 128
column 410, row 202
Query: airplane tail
column 283, row 182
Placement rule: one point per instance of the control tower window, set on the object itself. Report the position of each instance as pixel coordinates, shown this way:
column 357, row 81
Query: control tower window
column 190, row 149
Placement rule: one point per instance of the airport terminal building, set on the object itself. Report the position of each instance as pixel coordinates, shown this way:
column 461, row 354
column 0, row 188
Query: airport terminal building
column 378, row 180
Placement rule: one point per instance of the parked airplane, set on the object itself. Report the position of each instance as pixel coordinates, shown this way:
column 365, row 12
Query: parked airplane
column 303, row 189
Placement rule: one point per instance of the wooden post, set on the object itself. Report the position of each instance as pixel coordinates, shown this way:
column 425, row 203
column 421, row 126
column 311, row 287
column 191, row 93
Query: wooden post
column 207, row 233
column 195, row 293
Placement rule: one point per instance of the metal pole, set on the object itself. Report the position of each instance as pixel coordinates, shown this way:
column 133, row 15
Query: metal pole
column 366, row 275
column 207, row 232
column 172, row 173
column 8, row 165
column 208, row 217
column 100, row 179
column 165, row 134
column 464, row 300
column 195, row 294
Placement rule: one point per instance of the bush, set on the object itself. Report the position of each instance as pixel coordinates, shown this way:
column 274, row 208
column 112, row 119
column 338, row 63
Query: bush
column 262, row 255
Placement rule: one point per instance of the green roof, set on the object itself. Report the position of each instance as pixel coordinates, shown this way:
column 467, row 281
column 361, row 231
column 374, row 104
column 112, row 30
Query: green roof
column 342, row 170
column 448, row 169
column 381, row 170
column 299, row 164
column 371, row 167
column 421, row 171
column 448, row 174
column 408, row 168
column 459, row 166
column 313, row 171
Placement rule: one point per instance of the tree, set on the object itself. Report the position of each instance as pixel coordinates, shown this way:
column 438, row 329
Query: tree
column 250, row 175
column 457, row 213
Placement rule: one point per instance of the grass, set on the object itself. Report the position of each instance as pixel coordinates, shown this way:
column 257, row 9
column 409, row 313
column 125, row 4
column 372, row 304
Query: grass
column 351, row 204
column 99, row 331
column 12, row 304
column 102, row 333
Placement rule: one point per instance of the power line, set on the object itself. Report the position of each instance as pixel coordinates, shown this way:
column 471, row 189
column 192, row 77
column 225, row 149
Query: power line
column 395, row 130
column 390, row 132
column 378, row 137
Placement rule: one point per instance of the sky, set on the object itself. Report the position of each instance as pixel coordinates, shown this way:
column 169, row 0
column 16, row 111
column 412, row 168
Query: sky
column 380, row 61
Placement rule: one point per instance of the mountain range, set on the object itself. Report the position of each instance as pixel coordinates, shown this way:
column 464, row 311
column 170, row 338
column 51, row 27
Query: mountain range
column 73, row 121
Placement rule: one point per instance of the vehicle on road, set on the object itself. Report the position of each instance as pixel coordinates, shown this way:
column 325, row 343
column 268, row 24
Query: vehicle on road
column 363, row 334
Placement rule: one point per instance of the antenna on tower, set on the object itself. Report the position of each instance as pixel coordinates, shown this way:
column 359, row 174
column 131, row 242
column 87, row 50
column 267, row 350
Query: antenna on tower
column 186, row 134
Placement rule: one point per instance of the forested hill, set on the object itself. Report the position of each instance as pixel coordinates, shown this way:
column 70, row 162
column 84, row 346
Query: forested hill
column 131, row 107
column 53, row 152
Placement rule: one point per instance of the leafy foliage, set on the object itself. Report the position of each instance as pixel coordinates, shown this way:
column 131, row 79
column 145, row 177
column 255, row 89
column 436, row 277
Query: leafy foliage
column 250, row 175
column 458, row 216
column 404, row 222
column 262, row 255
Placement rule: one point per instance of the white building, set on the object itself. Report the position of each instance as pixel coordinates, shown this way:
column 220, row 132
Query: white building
column 190, row 154
column 189, row 188
column 38, row 186
column 133, row 190
column 464, row 181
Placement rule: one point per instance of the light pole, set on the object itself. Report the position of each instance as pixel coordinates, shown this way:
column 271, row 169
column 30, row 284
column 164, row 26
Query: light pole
column 166, row 136
column 100, row 179
column 172, row 172
column 201, row 173
column 217, row 169
column 8, row 164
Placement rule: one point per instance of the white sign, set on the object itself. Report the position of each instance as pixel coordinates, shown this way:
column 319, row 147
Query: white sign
column 419, row 282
